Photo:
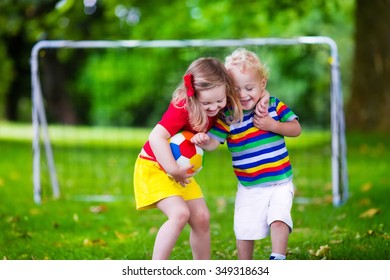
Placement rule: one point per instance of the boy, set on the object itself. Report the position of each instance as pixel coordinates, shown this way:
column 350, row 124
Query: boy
column 260, row 159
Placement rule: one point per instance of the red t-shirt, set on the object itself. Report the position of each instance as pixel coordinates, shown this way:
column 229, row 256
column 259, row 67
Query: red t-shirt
column 174, row 120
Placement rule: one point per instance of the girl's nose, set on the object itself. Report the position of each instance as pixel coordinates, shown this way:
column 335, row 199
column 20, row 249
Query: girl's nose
column 213, row 107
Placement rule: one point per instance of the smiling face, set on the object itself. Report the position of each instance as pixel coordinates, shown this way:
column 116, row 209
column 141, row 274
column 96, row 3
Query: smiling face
column 213, row 100
column 249, row 84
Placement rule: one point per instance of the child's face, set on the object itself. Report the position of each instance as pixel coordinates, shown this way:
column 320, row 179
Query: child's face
column 250, row 86
column 213, row 100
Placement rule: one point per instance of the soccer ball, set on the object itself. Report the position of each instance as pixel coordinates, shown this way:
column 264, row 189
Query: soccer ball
column 185, row 152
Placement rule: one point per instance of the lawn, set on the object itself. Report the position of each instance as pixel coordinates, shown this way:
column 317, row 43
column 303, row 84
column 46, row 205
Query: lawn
column 95, row 216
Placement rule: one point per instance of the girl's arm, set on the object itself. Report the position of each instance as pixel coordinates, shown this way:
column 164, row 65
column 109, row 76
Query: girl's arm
column 289, row 129
column 204, row 141
column 261, row 109
column 158, row 140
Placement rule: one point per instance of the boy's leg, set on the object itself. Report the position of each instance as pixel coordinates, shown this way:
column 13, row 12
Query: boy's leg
column 245, row 249
column 279, row 237
column 279, row 217
column 200, row 229
column 250, row 219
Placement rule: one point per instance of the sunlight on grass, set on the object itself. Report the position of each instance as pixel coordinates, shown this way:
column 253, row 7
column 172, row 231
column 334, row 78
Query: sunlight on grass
column 309, row 138
column 131, row 137
column 98, row 136
column 95, row 217
column 15, row 131
column 62, row 135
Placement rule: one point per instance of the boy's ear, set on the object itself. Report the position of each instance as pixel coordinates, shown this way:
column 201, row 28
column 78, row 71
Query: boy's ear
column 264, row 83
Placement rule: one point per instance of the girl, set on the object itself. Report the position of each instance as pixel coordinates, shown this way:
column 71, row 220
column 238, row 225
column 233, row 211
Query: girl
column 159, row 181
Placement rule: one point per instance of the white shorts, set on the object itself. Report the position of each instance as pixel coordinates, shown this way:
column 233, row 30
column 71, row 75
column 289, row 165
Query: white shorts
column 256, row 208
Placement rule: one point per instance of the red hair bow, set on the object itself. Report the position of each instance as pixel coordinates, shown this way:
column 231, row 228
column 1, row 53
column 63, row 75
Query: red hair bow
column 188, row 85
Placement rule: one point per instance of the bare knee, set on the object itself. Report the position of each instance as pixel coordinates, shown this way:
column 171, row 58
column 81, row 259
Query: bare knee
column 180, row 217
column 279, row 225
column 200, row 221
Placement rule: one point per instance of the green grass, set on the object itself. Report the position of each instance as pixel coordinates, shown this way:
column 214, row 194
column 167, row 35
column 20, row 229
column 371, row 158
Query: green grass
column 75, row 227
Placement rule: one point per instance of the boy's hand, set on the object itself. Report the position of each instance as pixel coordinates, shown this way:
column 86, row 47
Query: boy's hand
column 200, row 139
column 266, row 123
column 204, row 141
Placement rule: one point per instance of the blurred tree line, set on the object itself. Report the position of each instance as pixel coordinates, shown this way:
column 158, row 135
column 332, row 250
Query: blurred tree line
column 25, row 22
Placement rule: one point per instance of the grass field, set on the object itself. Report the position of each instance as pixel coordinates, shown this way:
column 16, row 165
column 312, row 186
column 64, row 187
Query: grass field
column 95, row 217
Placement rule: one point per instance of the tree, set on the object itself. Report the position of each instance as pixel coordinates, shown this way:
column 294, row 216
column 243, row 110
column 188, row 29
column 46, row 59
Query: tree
column 23, row 23
column 369, row 106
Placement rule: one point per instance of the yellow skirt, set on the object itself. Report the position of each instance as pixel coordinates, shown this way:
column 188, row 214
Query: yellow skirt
column 151, row 184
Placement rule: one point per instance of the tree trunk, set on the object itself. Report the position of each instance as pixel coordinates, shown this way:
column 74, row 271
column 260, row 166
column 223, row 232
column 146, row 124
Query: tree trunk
column 369, row 106
column 59, row 106
column 18, row 49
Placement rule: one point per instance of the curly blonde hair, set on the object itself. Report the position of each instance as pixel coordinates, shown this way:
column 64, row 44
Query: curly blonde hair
column 207, row 73
column 245, row 60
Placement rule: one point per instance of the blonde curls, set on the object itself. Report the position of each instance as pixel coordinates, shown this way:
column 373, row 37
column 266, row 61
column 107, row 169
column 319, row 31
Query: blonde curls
column 245, row 60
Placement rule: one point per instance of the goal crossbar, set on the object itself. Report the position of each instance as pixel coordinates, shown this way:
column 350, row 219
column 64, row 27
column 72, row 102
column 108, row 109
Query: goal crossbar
column 39, row 121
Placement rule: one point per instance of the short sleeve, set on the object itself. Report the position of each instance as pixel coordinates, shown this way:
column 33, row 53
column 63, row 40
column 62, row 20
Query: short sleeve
column 174, row 119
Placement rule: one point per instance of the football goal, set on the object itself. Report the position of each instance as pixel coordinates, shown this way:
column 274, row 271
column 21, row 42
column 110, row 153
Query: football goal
column 94, row 102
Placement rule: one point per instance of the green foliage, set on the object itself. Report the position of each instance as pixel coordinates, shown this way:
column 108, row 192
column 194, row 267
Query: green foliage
column 122, row 87
column 81, row 226
column 26, row 22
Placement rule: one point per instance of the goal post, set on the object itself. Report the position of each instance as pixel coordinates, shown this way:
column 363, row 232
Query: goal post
column 337, row 125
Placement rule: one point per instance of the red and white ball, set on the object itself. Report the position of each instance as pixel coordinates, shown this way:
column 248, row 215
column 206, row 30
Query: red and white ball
column 185, row 152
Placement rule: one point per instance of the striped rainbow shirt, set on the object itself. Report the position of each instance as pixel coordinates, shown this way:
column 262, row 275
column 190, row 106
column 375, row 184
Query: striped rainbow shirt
column 259, row 157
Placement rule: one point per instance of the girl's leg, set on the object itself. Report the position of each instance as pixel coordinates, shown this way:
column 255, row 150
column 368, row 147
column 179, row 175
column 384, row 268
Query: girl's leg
column 279, row 237
column 245, row 249
column 200, row 229
column 177, row 211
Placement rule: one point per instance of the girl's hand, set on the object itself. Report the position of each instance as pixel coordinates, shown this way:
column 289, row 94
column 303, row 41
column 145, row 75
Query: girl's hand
column 181, row 174
column 262, row 106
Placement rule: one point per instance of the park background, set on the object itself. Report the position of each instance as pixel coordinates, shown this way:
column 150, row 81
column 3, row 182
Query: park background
column 72, row 227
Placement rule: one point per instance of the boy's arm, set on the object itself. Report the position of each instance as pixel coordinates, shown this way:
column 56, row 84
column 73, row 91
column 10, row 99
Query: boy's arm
column 289, row 129
column 204, row 141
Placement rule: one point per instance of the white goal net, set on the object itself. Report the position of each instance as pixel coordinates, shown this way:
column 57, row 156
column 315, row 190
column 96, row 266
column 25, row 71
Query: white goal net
column 56, row 167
